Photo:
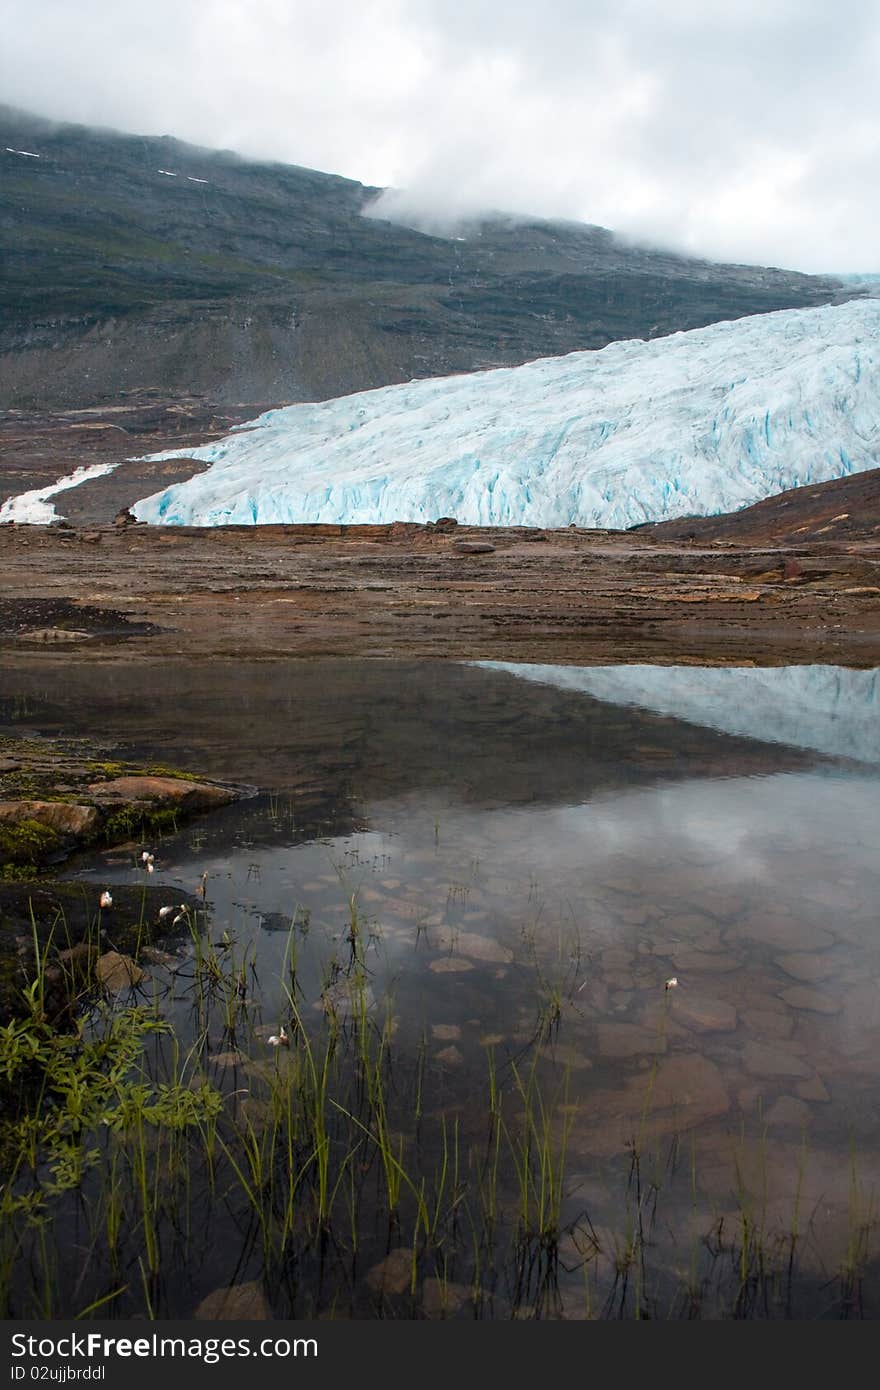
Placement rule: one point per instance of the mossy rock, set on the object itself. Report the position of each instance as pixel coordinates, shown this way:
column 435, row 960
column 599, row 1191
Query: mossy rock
column 24, row 846
column 56, row 796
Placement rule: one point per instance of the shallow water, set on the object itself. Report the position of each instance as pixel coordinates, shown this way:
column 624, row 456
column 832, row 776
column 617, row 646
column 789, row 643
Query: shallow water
column 528, row 866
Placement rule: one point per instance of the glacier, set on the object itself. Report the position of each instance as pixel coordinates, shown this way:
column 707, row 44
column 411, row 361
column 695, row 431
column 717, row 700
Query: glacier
column 696, row 423
column 832, row 710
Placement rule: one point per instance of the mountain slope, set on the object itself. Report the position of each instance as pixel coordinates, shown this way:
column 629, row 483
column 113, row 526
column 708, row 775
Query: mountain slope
column 697, row 423
column 136, row 264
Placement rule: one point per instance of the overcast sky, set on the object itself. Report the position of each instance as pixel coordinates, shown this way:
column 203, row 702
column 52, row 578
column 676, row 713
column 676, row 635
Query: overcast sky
column 747, row 130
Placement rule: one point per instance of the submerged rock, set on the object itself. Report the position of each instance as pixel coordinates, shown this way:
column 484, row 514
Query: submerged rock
column 246, row 1302
column 118, row 972
column 703, row 1014
column 440, row 1299
column 393, row 1274
column 684, row 1091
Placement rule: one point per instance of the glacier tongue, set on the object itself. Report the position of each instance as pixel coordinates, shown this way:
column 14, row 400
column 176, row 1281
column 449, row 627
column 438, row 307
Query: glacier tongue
column 696, row 423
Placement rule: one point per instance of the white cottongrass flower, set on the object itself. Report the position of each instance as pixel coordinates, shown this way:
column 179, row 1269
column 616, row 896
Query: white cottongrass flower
column 165, row 912
column 146, row 857
column 106, row 899
column 671, row 983
column 279, row 1039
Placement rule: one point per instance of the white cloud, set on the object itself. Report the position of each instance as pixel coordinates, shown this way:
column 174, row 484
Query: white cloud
column 748, row 132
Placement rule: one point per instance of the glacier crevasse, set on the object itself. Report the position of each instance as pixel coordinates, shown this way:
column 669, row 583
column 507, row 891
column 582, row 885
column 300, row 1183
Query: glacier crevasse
column 693, row 424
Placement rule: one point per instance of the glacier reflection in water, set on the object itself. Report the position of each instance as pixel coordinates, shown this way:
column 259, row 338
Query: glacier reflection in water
column 831, row 709
column 528, row 868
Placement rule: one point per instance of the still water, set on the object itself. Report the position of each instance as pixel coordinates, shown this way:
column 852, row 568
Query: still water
column 654, row 890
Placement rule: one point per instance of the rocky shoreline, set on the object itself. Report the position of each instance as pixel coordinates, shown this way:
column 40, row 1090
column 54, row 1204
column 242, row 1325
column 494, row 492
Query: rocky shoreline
column 61, row 797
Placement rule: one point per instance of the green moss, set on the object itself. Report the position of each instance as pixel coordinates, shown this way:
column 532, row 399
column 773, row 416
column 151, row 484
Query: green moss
column 24, row 847
column 133, row 820
column 17, row 873
column 111, row 769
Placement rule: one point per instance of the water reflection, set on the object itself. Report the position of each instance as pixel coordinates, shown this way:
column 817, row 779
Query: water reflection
column 529, row 864
column 831, row 709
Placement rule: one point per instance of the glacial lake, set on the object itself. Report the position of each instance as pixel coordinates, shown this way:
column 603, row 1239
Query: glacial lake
column 609, row 939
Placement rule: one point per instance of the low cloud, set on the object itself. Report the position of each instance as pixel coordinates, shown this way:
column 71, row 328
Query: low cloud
column 745, row 132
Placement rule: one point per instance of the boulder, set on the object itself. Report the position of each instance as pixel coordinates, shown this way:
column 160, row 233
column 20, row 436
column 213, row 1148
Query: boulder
column 241, row 1302
column 64, row 817
column 117, row 972
column 169, row 792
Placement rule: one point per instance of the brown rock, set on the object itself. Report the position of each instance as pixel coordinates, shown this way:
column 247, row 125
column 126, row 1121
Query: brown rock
column 244, row 1302
column 769, row 1022
column 814, row 1089
column 393, row 1274
column 685, row 1091
column 773, row 1059
column 222, row 1060
column 439, row 1299
column 629, row 1040
column 862, row 1010
column 806, row 966
column 703, row 1014
column 79, row 961
column 117, row 972
column 63, row 817
column 473, row 945
column 450, row 965
column 474, row 548
column 802, row 997
column 446, row 1032
column 163, row 791
column 710, row 962
column 788, row 1111
column 407, row 911
column 783, row 933
column 615, row 959
column 450, row 1056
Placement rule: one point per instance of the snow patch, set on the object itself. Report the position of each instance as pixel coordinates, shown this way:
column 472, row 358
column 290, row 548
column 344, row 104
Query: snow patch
column 33, row 508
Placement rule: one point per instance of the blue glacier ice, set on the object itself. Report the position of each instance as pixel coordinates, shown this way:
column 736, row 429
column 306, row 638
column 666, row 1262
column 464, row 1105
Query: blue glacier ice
column 696, row 423
column 830, row 709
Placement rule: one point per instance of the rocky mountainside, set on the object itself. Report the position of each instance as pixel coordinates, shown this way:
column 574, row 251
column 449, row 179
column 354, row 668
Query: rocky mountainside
column 142, row 265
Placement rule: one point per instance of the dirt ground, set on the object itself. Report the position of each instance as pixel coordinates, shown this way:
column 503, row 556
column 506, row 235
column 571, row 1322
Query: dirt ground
column 798, row 581
column 406, row 591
